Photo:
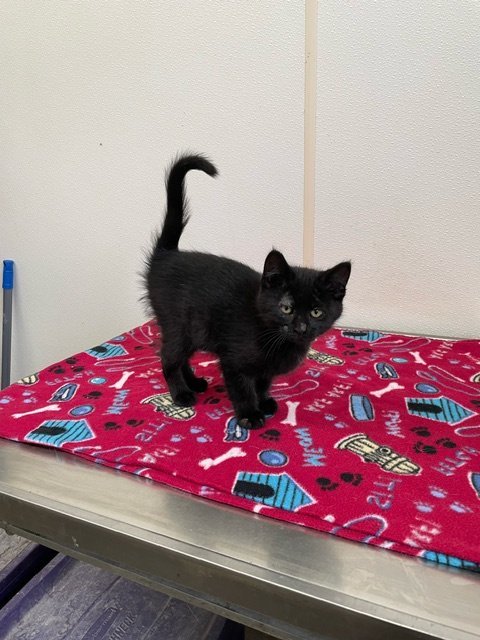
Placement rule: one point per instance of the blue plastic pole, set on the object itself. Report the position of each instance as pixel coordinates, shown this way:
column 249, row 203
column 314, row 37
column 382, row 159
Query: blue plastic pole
column 7, row 285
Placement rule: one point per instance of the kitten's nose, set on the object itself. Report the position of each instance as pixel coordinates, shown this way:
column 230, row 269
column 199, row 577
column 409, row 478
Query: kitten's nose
column 300, row 328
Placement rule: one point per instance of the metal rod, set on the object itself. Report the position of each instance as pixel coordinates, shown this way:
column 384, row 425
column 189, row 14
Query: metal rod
column 7, row 285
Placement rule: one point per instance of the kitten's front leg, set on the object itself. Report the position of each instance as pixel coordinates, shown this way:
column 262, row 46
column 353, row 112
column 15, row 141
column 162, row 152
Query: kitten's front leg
column 266, row 403
column 243, row 395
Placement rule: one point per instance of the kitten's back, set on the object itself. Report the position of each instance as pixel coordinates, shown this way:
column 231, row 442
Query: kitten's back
column 203, row 279
column 201, row 296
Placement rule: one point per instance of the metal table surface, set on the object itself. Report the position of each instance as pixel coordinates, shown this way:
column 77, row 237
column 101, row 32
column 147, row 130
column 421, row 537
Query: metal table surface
column 290, row 582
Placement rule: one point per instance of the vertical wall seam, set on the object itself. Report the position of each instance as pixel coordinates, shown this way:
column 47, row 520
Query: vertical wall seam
column 309, row 128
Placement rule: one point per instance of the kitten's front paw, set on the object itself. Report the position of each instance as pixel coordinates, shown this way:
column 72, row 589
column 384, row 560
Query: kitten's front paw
column 184, row 398
column 252, row 420
column 268, row 406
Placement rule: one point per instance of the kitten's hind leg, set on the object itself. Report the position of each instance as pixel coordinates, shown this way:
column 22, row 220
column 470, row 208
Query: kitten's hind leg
column 242, row 393
column 194, row 383
column 266, row 403
column 173, row 363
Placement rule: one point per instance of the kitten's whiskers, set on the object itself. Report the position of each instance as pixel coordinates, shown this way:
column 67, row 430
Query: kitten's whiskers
column 274, row 344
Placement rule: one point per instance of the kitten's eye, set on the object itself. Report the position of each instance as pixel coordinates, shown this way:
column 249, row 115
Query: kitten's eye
column 286, row 308
column 317, row 313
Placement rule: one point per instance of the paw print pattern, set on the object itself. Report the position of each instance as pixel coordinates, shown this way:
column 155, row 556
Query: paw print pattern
column 458, row 507
column 421, row 431
column 326, row 484
column 204, row 439
column 134, row 423
column 271, row 434
column 349, row 478
column 441, row 494
column 93, row 395
column 29, row 399
column 351, row 349
column 116, row 425
column 421, row 447
column 424, row 507
column 219, row 388
column 438, row 492
column 200, row 435
column 352, row 478
column 112, row 425
column 446, row 442
column 59, row 368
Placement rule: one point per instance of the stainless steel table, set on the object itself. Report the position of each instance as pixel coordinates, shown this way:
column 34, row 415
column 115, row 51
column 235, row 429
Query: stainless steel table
column 289, row 582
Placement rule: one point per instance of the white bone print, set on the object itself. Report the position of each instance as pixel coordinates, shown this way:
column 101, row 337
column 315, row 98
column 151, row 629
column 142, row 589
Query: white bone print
column 418, row 358
column 50, row 407
column 390, row 387
column 291, row 418
column 234, row 452
column 206, row 363
column 121, row 381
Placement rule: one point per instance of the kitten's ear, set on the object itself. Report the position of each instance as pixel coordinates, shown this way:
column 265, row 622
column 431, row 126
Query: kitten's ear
column 276, row 272
column 335, row 279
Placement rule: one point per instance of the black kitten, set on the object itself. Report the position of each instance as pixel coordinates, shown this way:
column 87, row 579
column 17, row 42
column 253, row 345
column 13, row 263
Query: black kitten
column 259, row 325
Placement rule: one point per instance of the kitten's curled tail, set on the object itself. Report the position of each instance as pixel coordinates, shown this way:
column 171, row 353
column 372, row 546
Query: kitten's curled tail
column 176, row 216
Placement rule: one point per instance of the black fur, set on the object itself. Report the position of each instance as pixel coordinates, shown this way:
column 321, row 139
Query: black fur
column 259, row 325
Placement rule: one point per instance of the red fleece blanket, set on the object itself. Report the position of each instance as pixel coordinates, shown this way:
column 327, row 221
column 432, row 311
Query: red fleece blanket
column 376, row 439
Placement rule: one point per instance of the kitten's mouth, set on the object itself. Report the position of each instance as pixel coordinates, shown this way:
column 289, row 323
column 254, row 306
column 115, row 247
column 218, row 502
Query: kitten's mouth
column 299, row 339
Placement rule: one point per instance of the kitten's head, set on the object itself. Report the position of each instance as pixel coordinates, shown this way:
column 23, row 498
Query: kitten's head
column 301, row 303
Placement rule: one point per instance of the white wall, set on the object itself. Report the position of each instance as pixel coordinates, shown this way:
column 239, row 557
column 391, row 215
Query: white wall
column 96, row 98
column 398, row 160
